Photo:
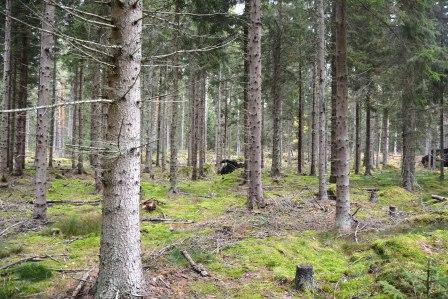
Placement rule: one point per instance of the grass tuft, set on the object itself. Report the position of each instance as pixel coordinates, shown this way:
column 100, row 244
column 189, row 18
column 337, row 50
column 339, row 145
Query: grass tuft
column 80, row 225
column 7, row 251
column 33, row 272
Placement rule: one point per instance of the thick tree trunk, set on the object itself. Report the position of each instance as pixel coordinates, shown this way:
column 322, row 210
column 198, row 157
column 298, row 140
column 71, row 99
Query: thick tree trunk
column 120, row 271
column 409, row 139
column 314, row 120
column 368, row 149
column 174, row 134
column 255, row 190
column 300, row 127
column 80, row 114
column 19, row 149
column 343, row 217
column 320, row 89
column 44, row 99
column 385, row 137
column 276, row 165
column 6, row 92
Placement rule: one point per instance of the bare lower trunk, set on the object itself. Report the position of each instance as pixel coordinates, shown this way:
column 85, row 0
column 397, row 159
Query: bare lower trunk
column 19, row 150
column 314, row 124
column 52, row 118
column 96, row 127
column 159, row 120
column 201, row 125
column 441, row 132
column 255, row 190
column 368, row 149
column 80, row 113
column 300, row 127
column 74, row 120
column 333, row 93
column 218, row 137
column 408, row 157
column 277, row 97
column 194, row 126
column 120, row 269
column 357, row 137
column 320, row 89
column 174, row 115
column 44, row 99
column 385, row 137
column 6, row 92
column 343, row 217
column 12, row 119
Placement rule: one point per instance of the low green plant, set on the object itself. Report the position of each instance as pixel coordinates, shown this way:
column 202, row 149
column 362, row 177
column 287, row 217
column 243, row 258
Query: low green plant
column 9, row 250
column 33, row 272
column 80, row 225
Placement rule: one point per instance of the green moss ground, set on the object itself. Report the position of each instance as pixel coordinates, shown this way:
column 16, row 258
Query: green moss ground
column 394, row 262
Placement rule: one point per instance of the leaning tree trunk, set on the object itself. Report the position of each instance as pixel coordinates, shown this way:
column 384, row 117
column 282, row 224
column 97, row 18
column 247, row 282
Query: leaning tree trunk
column 44, row 99
column 120, row 271
column 255, row 190
column 357, row 137
column 385, row 137
column 300, row 127
column 277, row 97
column 320, row 89
column 174, row 134
column 368, row 149
column 6, row 93
column 19, row 150
column 341, row 144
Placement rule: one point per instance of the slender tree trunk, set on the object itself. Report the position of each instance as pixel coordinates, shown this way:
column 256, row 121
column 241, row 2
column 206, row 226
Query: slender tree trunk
column 314, row 120
column 385, row 137
column 301, row 126
column 441, row 131
column 357, row 137
column 218, row 137
column 276, row 165
column 96, row 126
column 19, row 150
column 174, row 135
column 12, row 116
column 120, row 271
column 44, row 99
column 159, row 120
column 74, row 120
column 201, row 125
column 52, row 118
column 368, row 149
column 333, row 93
column 341, row 146
column 194, row 126
column 320, row 88
column 6, row 92
column 245, row 80
column 80, row 165
column 255, row 190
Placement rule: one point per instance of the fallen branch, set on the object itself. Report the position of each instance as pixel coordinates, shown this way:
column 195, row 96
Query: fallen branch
column 35, row 258
column 81, row 284
column 3, row 232
column 166, row 220
column 438, row 198
column 70, row 202
column 198, row 268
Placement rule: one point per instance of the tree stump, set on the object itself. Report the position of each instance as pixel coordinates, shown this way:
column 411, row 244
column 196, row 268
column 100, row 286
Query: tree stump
column 304, row 277
column 373, row 194
column 393, row 212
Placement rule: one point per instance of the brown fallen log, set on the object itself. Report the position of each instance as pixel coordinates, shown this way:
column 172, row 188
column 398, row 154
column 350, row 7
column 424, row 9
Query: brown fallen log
column 438, row 198
column 198, row 268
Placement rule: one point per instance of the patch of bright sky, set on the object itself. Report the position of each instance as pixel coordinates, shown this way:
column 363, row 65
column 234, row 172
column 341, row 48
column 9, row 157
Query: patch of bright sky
column 239, row 8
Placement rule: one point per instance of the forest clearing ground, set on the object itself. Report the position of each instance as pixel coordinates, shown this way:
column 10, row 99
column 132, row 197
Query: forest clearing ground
column 248, row 255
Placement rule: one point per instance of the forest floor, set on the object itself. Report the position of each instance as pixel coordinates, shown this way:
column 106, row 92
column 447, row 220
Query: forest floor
column 247, row 255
